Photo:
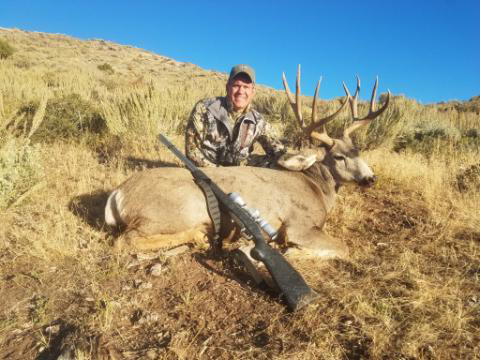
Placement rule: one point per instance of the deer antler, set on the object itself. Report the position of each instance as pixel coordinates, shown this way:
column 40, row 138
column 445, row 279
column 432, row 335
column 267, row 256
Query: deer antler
column 309, row 130
column 372, row 114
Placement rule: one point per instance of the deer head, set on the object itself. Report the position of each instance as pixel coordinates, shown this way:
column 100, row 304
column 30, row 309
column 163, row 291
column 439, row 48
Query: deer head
column 339, row 155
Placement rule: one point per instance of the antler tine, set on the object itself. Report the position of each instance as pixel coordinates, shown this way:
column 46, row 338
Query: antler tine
column 297, row 97
column 372, row 114
column 354, row 100
column 322, row 122
column 315, row 124
column 314, row 106
column 287, row 89
column 294, row 104
column 374, row 95
column 358, row 86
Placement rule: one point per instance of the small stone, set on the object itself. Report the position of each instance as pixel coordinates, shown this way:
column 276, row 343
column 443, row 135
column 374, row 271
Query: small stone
column 382, row 245
column 156, row 270
column 472, row 301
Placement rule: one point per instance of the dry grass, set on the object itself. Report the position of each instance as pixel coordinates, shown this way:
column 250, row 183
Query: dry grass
column 410, row 288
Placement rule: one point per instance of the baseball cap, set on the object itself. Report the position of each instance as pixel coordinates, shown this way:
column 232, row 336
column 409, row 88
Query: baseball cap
column 242, row 68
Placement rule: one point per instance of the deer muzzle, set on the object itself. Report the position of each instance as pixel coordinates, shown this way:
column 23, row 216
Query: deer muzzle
column 368, row 181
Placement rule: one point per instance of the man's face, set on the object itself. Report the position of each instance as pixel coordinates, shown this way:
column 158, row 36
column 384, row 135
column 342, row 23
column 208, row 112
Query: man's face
column 240, row 91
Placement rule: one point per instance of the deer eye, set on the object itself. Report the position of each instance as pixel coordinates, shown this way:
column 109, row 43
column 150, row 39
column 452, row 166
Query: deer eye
column 339, row 157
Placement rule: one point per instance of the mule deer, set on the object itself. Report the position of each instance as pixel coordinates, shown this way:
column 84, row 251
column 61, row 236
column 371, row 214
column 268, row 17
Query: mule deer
column 164, row 207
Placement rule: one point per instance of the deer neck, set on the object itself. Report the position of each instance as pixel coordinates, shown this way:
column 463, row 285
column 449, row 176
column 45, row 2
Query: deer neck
column 324, row 181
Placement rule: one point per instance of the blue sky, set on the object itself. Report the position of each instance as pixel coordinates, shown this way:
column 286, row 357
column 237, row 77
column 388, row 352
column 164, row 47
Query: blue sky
column 427, row 50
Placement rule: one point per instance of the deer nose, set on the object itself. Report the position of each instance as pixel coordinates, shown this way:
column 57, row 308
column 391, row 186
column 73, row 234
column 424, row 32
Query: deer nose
column 368, row 181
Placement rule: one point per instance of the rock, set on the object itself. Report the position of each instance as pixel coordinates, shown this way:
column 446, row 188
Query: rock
column 156, row 270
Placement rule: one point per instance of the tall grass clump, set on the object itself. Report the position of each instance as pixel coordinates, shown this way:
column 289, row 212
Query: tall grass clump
column 132, row 113
column 140, row 112
column 6, row 50
column 20, row 170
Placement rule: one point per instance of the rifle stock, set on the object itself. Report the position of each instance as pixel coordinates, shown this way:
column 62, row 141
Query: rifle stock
column 292, row 286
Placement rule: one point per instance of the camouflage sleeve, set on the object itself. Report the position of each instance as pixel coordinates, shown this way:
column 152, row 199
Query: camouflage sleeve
column 194, row 136
column 269, row 141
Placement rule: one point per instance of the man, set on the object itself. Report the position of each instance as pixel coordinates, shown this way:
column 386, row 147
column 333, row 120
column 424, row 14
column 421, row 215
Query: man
column 221, row 131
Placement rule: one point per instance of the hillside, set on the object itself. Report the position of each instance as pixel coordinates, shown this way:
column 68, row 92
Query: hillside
column 78, row 117
column 55, row 52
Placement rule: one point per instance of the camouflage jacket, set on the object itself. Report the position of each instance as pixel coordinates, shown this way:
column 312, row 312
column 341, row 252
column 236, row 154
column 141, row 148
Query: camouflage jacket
column 216, row 135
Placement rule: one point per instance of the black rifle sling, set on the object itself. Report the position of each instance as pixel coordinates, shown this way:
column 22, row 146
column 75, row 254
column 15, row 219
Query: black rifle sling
column 213, row 210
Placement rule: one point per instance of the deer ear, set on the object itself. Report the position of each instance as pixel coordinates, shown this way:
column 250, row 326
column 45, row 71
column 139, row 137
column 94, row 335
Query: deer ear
column 320, row 153
column 297, row 162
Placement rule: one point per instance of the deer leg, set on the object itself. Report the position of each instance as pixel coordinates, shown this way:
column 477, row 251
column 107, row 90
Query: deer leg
column 314, row 243
column 136, row 240
column 243, row 257
column 244, row 260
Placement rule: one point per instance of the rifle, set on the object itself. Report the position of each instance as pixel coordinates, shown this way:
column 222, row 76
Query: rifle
column 291, row 284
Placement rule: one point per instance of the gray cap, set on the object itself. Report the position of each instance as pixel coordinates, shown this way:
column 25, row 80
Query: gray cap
column 242, row 68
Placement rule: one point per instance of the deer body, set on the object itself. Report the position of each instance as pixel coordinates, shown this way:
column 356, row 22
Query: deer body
column 160, row 205
column 165, row 207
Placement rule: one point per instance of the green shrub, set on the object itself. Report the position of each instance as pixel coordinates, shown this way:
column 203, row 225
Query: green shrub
column 469, row 178
column 106, row 68
column 428, row 137
column 69, row 117
column 6, row 50
column 472, row 133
